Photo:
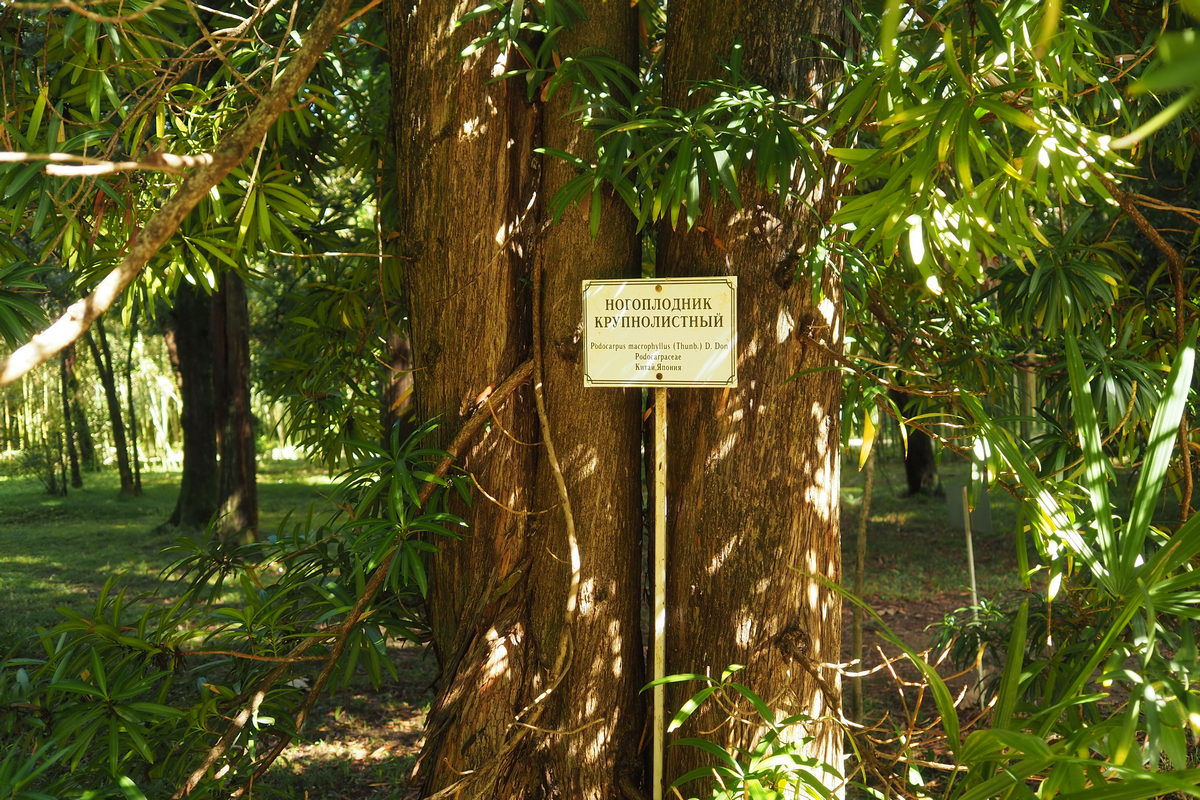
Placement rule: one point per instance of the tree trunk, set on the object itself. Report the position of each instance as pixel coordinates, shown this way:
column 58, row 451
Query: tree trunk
column 102, row 355
column 238, row 489
column 753, row 486
column 499, row 603
column 190, row 343
column 66, row 373
column 920, row 468
column 597, row 435
column 79, row 421
column 129, row 404
column 396, row 395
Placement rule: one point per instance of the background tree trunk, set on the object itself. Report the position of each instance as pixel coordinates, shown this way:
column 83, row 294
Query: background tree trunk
column 396, row 399
column 920, row 468
column 753, row 486
column 237, row 488
column 191, row 347
column 134, row 457
column 79, row 421
column 66, row 372
column 471, row 223
column 102, row 355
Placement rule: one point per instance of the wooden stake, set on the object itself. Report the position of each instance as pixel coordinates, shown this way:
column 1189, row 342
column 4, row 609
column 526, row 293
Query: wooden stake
column 660, row 583
column 971, row 567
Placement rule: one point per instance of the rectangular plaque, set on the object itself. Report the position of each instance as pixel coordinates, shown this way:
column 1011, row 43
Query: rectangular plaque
column 660, row 332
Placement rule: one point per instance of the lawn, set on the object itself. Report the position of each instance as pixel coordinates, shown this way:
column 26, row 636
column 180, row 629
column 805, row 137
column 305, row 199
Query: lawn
column 57, row 551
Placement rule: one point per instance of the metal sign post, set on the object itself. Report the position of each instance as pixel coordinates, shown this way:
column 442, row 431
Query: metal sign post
column 660, row 333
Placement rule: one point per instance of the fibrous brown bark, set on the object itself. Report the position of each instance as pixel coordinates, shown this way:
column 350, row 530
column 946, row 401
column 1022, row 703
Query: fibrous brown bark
column 753, row 488
column 472, row 221
column 237, row 491
column 596, row 433
column 191, row 347
column 460, row 189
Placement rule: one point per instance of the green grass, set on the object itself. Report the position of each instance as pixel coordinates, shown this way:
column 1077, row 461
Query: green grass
column 58, row 551
column 914, row 551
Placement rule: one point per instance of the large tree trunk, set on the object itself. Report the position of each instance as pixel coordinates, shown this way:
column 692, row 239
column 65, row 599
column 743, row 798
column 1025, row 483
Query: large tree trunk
column 500, row 601
column 753, row 488
column 191, row 347
column 596, row 434
column 238, row 487
column 102, row 355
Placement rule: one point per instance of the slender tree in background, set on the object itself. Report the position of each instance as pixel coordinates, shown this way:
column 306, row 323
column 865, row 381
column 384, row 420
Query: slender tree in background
column 103, row 360
column 66, row 372
column 131, row 409
column 79, row 420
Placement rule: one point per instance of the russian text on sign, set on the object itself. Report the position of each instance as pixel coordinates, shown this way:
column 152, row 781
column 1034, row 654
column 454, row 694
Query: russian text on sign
column 660, row 332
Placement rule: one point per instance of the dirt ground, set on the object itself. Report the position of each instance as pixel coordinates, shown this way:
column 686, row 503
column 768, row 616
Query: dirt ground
column 364, row 742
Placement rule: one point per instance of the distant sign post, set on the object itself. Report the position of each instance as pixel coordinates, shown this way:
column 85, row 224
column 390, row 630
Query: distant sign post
column 679, row 332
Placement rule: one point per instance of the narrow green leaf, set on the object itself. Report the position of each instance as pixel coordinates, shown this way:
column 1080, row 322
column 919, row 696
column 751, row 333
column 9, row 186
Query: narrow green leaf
column 689, row 707
column 1095, row 472
column 1158, row 454
column 1009, row 690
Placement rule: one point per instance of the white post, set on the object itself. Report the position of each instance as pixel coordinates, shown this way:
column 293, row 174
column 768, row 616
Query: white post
column 660, row 582
column 971, row 567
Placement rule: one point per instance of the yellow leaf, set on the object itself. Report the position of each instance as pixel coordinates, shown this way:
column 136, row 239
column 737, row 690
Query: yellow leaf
column 868, row 439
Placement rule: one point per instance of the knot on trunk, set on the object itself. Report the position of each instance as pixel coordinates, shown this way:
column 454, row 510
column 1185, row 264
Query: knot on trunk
column 796, row 644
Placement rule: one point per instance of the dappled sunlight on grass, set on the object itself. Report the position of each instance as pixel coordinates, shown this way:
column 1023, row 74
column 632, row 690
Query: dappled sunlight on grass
column 58, row 551
column 915, row 551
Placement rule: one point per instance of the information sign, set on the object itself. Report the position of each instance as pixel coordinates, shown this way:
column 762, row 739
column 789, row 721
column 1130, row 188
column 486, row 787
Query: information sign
column 660, row 332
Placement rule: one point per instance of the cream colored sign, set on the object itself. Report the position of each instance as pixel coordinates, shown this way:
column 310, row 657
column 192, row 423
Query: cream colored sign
column 672, row 332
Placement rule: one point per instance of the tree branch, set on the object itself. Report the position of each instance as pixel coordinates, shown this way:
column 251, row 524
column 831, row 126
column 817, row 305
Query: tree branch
column 69, row 165
column 232, row 150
